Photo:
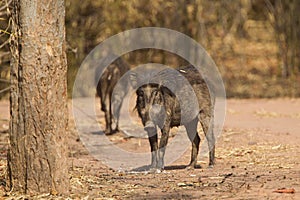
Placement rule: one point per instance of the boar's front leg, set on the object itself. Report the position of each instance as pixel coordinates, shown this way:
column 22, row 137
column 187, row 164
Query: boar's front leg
column 152, row 136
column 163, row 144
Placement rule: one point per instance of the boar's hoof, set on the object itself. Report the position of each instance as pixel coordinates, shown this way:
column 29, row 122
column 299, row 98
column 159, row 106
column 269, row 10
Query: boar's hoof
column 110, row 132
column 190, row 167
column 193, row 165
column 210, row 166
column 155, row 170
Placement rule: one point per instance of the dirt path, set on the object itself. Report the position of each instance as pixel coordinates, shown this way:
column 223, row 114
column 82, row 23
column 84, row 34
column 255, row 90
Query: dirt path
column 257, row 154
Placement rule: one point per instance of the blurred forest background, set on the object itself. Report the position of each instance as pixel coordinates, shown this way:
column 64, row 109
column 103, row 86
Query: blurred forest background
column 254, row 43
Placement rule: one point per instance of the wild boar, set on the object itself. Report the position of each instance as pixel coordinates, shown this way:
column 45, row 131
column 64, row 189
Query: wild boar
column 111, row 105
column 173, row 98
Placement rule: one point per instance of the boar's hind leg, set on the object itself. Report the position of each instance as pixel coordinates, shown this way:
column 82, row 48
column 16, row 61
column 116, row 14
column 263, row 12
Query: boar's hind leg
column 101, row 93
column 117, row 103
column 103, row 106
column 191, row 129
column 205, row 121
column 107, row 112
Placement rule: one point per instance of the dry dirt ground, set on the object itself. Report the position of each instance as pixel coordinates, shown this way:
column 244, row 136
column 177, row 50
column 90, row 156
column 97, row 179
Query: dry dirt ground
column 257, row 154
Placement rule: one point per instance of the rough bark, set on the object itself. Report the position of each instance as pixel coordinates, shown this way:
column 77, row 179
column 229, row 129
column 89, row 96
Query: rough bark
column 37, row 157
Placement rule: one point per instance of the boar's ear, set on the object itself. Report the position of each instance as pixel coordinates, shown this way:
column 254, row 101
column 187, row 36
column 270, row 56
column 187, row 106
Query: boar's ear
column 133, row 79
column 164, row 90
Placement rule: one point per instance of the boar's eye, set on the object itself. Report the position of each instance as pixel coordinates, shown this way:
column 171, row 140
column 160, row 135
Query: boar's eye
column 140, row 101
column 140, row 92
column 157, row 97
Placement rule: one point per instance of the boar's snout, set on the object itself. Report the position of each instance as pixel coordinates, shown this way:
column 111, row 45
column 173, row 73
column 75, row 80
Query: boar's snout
column 150, row 127
column 157, row 114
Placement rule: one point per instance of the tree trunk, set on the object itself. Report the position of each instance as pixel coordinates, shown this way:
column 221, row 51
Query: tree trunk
column 37, row 156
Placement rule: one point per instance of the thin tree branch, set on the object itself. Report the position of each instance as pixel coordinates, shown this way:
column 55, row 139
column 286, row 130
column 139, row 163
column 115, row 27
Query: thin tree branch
column 6, row 5
column 4, row 80
column 5, row 89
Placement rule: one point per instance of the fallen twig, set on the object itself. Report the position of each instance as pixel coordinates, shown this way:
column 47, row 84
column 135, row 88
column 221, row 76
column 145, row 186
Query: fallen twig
column 285, row 190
